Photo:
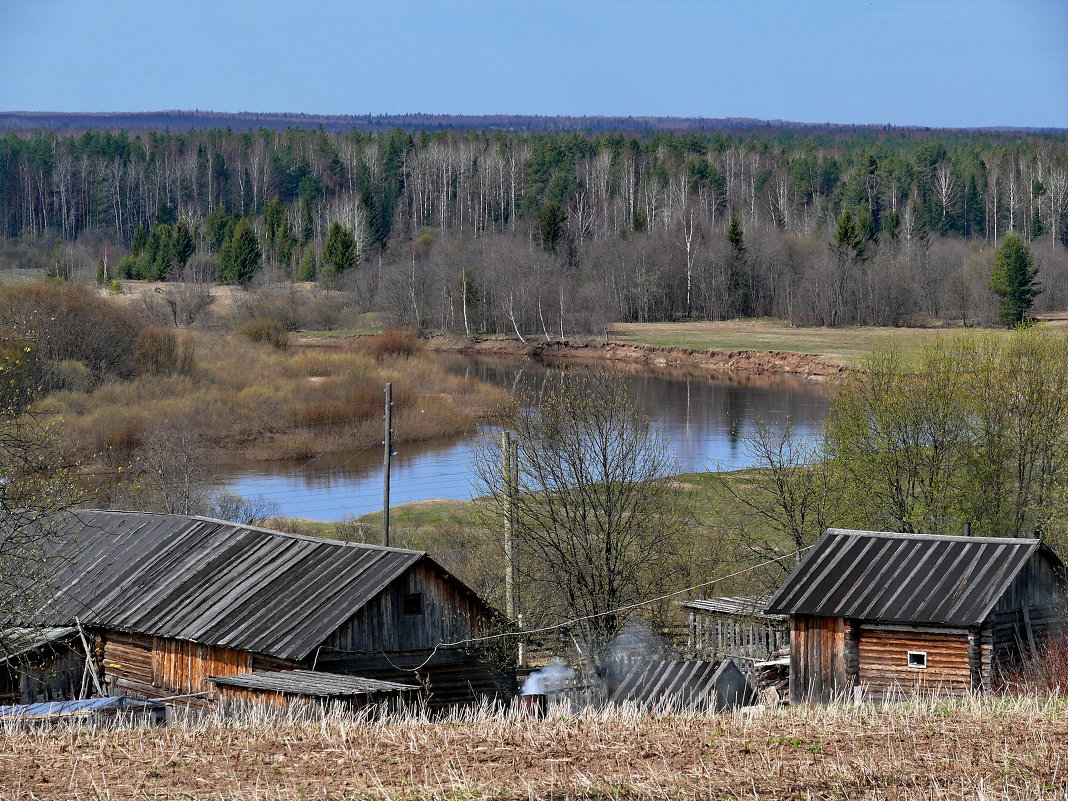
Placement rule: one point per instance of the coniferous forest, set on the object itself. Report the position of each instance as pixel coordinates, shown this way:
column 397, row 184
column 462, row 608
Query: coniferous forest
column 553, row 234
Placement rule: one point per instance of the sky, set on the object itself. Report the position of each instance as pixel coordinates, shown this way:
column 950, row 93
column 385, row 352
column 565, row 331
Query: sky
column 905, row 62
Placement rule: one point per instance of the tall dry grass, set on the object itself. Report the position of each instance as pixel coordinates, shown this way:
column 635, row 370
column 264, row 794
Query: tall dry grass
column 973, row 748
column 252, row 400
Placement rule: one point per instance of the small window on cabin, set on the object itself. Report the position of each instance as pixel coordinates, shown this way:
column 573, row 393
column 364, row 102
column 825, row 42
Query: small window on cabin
column 413, row 603
column 917, row 659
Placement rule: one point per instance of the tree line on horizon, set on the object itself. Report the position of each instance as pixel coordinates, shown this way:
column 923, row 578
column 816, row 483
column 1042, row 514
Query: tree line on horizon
column 554, row 234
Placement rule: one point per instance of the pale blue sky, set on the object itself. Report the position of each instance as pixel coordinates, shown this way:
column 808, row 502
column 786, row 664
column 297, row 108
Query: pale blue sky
column 926, row 62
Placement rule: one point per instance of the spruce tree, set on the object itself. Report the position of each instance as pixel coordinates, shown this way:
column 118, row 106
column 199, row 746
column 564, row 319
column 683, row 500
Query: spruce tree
column 1013, row 280
column 182, row 243
column 241, row 256
column 307, row 269
column 340, row 248
column 737, row 286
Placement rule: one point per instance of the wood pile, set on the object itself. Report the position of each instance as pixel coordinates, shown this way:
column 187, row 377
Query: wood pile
column 772, row 679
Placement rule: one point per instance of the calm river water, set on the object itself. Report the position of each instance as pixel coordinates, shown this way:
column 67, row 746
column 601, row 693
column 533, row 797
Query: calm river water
column 698, row 415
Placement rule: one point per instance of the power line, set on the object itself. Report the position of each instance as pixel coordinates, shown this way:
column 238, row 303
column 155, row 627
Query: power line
column 573, row 621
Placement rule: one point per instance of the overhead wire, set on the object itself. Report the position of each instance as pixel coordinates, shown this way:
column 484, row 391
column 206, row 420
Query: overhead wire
column 595, row 615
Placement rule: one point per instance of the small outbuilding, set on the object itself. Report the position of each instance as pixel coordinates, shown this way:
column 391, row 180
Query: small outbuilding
column 734, row 626
column 885, row 614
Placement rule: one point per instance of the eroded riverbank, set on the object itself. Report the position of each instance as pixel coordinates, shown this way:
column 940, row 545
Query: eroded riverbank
column 708, row 362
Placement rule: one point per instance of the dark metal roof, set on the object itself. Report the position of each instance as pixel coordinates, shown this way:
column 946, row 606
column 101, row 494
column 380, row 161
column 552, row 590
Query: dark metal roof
column 906, row 578
column 208, row 581
column 741, row 606
column 686, row 683
column 310, row 682
column 18, row 641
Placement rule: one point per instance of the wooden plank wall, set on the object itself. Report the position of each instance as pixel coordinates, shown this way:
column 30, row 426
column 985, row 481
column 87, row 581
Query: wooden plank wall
column 449, row 614
column 713, row 635
column 883, row 661
column 153, row 667
column 817, row 658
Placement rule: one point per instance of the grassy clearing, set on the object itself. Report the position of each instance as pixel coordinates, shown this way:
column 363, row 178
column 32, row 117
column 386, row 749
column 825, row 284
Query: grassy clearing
column 843, row 345
column 935, row 749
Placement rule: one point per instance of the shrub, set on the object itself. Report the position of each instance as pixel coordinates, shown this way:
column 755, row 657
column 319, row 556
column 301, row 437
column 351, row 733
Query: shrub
column 356, row 406
column 70, row 322
column 116, row 444
column 264, row 329
column 1044, row 672
column 393, row 342
column 161, row 351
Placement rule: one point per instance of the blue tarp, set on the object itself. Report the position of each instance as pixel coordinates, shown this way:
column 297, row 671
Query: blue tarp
column 87, row 706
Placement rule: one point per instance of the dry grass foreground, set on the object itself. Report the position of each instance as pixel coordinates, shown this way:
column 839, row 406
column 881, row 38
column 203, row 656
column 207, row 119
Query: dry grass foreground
column 975, row 749
column 844, row 345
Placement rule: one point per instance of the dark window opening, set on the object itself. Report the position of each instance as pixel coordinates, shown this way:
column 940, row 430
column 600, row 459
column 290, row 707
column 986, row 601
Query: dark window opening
column 917, row 659
column 413, row 603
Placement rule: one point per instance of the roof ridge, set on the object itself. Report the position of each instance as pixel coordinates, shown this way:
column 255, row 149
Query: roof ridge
column 260, row 529
column 904, row 535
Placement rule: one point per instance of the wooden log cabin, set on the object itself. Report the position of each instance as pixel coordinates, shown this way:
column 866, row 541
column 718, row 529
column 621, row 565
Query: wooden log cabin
column 165, row 602
column 883, row 614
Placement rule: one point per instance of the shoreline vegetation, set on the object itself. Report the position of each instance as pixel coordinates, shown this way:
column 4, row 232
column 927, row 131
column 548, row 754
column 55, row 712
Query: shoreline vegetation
column 262, row 403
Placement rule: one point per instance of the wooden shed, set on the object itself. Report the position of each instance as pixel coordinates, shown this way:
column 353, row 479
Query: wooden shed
column 886, row 614
column 167, row 601
column 734, row 626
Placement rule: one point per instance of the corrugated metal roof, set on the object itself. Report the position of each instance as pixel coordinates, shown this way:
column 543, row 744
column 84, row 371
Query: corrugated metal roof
column 687, row 683
column 209, row 581
column 86, row 706
column 907, row 578
column 310, row 682
column 17, row 641
column 741, row 606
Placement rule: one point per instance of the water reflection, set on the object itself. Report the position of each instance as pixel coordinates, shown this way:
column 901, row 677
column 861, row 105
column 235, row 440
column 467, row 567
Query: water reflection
column 700, row 415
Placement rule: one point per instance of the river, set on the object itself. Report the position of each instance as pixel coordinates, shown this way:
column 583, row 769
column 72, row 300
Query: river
column 699, row 416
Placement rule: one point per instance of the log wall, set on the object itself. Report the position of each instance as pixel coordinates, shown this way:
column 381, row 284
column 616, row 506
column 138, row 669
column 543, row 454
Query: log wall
column 883, row 661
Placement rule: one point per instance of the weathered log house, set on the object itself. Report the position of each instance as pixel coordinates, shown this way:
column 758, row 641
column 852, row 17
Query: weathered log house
column 885, row 614
column 168, row 601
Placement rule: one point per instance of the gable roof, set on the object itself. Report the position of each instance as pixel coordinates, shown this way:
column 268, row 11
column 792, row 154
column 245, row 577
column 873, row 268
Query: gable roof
column 906, row 578
column 209, row 581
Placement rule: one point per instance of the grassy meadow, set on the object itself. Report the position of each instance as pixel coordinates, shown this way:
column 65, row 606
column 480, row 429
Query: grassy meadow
column 843, row 345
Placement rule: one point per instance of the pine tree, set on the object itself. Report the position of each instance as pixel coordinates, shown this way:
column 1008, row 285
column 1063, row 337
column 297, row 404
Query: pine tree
column 241, row 256
column 340, row 248
column 1013, row 280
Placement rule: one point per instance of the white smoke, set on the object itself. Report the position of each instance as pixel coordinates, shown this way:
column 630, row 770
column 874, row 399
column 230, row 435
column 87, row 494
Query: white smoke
column 549, row 678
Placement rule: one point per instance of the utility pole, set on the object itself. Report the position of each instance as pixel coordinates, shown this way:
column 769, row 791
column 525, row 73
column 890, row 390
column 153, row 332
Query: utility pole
column 509, row 465
column 509, row 532
column 387, row 453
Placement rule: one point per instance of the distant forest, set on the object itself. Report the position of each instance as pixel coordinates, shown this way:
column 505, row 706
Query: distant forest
column 552, row 233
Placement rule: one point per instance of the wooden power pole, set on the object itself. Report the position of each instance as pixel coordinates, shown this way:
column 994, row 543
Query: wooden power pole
column 387, row 453
column 509, row 467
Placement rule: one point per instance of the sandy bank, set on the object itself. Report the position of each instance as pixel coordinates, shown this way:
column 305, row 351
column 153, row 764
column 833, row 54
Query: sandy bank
column 804, row 365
